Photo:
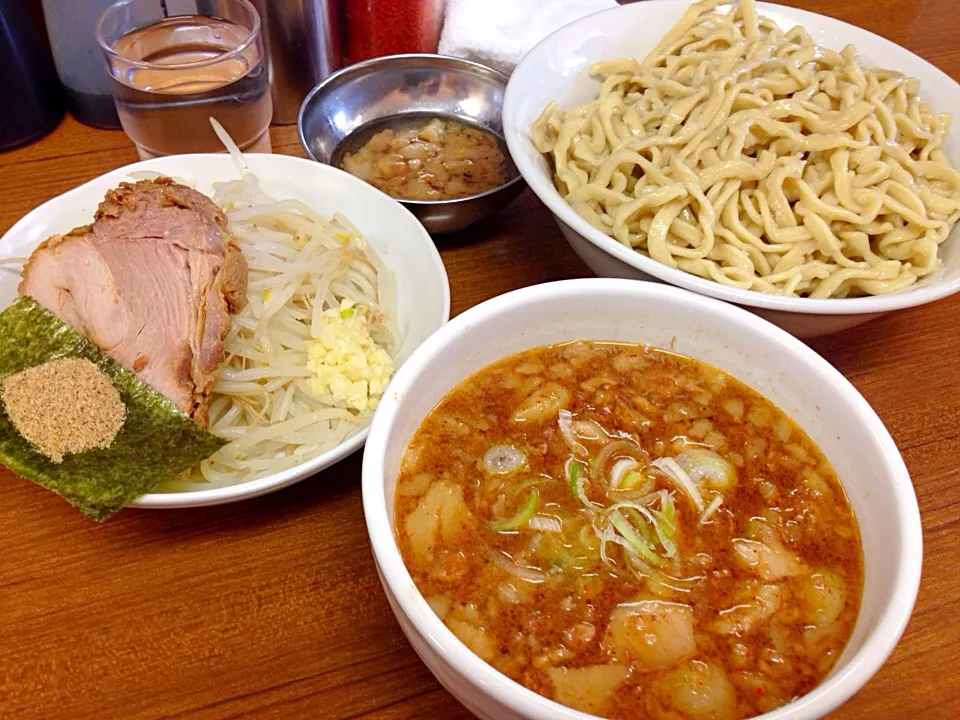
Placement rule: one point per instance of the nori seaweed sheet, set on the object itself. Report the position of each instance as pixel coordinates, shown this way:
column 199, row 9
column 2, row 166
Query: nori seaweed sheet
column 157, row 440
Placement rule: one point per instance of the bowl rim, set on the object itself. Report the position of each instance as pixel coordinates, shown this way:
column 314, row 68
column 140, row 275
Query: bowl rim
column 262, row 486
column 925, row 291
column 366, row 67
column 828, row 695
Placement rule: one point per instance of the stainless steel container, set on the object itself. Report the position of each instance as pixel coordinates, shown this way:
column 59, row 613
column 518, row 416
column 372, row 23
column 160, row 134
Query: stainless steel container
column 303, row 47
column 389, row 87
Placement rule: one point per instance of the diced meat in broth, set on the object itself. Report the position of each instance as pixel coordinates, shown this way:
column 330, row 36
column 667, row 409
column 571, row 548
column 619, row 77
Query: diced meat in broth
column 587, row 688
column 441, row 517
column 755, row 606
column 651, row 634
column 697, row 690
column 631, row 533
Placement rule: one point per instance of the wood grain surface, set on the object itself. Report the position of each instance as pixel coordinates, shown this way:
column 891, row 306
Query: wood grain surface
column 272, row 608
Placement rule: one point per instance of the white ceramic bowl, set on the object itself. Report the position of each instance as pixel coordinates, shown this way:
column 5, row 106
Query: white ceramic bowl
column 423, row 293
column 777, row 365
column 556, row 70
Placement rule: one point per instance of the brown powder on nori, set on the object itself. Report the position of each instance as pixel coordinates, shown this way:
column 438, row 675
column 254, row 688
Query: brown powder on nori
column 64, row 406
column 157, row 441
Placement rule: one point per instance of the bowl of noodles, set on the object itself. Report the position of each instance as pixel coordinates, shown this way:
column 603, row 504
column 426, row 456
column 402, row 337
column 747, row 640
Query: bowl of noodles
column 344, row 283
column 784, row 161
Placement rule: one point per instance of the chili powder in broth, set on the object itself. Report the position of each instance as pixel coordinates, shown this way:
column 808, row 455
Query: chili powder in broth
column 534, row 511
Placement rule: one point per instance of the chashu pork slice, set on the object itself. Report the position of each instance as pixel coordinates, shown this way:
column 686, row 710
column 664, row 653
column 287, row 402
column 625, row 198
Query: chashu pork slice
column 151, row 282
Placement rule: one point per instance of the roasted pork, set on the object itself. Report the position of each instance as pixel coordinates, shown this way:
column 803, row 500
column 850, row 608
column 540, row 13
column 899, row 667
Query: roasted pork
column 151, row 282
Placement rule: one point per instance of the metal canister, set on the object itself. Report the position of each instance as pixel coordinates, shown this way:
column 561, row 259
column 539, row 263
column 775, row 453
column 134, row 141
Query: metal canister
column 29, row 91
column 375, row 28
column 303, row 47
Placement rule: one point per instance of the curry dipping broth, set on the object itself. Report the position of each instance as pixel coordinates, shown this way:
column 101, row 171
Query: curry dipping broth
column 426, row 156
column 632, row 533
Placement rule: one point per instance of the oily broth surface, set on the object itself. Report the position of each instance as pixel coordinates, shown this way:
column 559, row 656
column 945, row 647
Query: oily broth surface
column 426, row 157
column 562, row 618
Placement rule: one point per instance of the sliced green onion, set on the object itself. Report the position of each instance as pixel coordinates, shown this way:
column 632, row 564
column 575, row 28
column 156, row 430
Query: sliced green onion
column 712, row 507
column 582, row 496
column 663, row 527
column 565, row 421
column 665, row 537
column 645, row 518
column 573, row 472
column 668, row 519
column 642, row 524
column 588, row 539
column 640, row 568
column 620, row 470
column 545, row 523
column 669, row 510
column 679, row 477
column 560, row 557
column 631, row 480
column 640, row 546
column 707, row 468
column 525, row 513
column 667, row 515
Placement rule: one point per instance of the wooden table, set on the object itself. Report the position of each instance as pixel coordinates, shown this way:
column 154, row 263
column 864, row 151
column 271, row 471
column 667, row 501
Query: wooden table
column 272, row 607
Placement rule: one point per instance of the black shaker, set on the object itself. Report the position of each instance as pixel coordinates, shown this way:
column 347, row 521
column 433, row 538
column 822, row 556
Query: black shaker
column 31, row 103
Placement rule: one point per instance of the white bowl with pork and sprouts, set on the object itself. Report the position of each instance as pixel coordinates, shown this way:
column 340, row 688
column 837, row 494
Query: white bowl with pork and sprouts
column 267, row 297
column 610, row 498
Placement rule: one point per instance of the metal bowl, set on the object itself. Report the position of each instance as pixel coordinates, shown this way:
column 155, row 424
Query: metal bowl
column 370, row 92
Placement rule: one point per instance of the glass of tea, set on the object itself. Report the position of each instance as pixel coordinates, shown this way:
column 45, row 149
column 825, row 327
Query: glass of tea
column 174, row 64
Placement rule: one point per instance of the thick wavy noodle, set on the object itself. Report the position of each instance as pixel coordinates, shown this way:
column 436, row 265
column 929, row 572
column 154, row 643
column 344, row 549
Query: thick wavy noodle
column 748, row 155
column 300, row 265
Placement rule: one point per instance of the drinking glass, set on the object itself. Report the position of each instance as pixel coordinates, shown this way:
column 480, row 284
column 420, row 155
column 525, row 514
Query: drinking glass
column 174, row 64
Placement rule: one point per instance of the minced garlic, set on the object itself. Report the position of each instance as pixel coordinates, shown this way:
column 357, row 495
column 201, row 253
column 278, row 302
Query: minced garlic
column 346, row 361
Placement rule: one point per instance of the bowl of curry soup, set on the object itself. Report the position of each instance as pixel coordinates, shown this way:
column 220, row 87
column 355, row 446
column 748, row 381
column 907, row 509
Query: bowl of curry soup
column 610, row 498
